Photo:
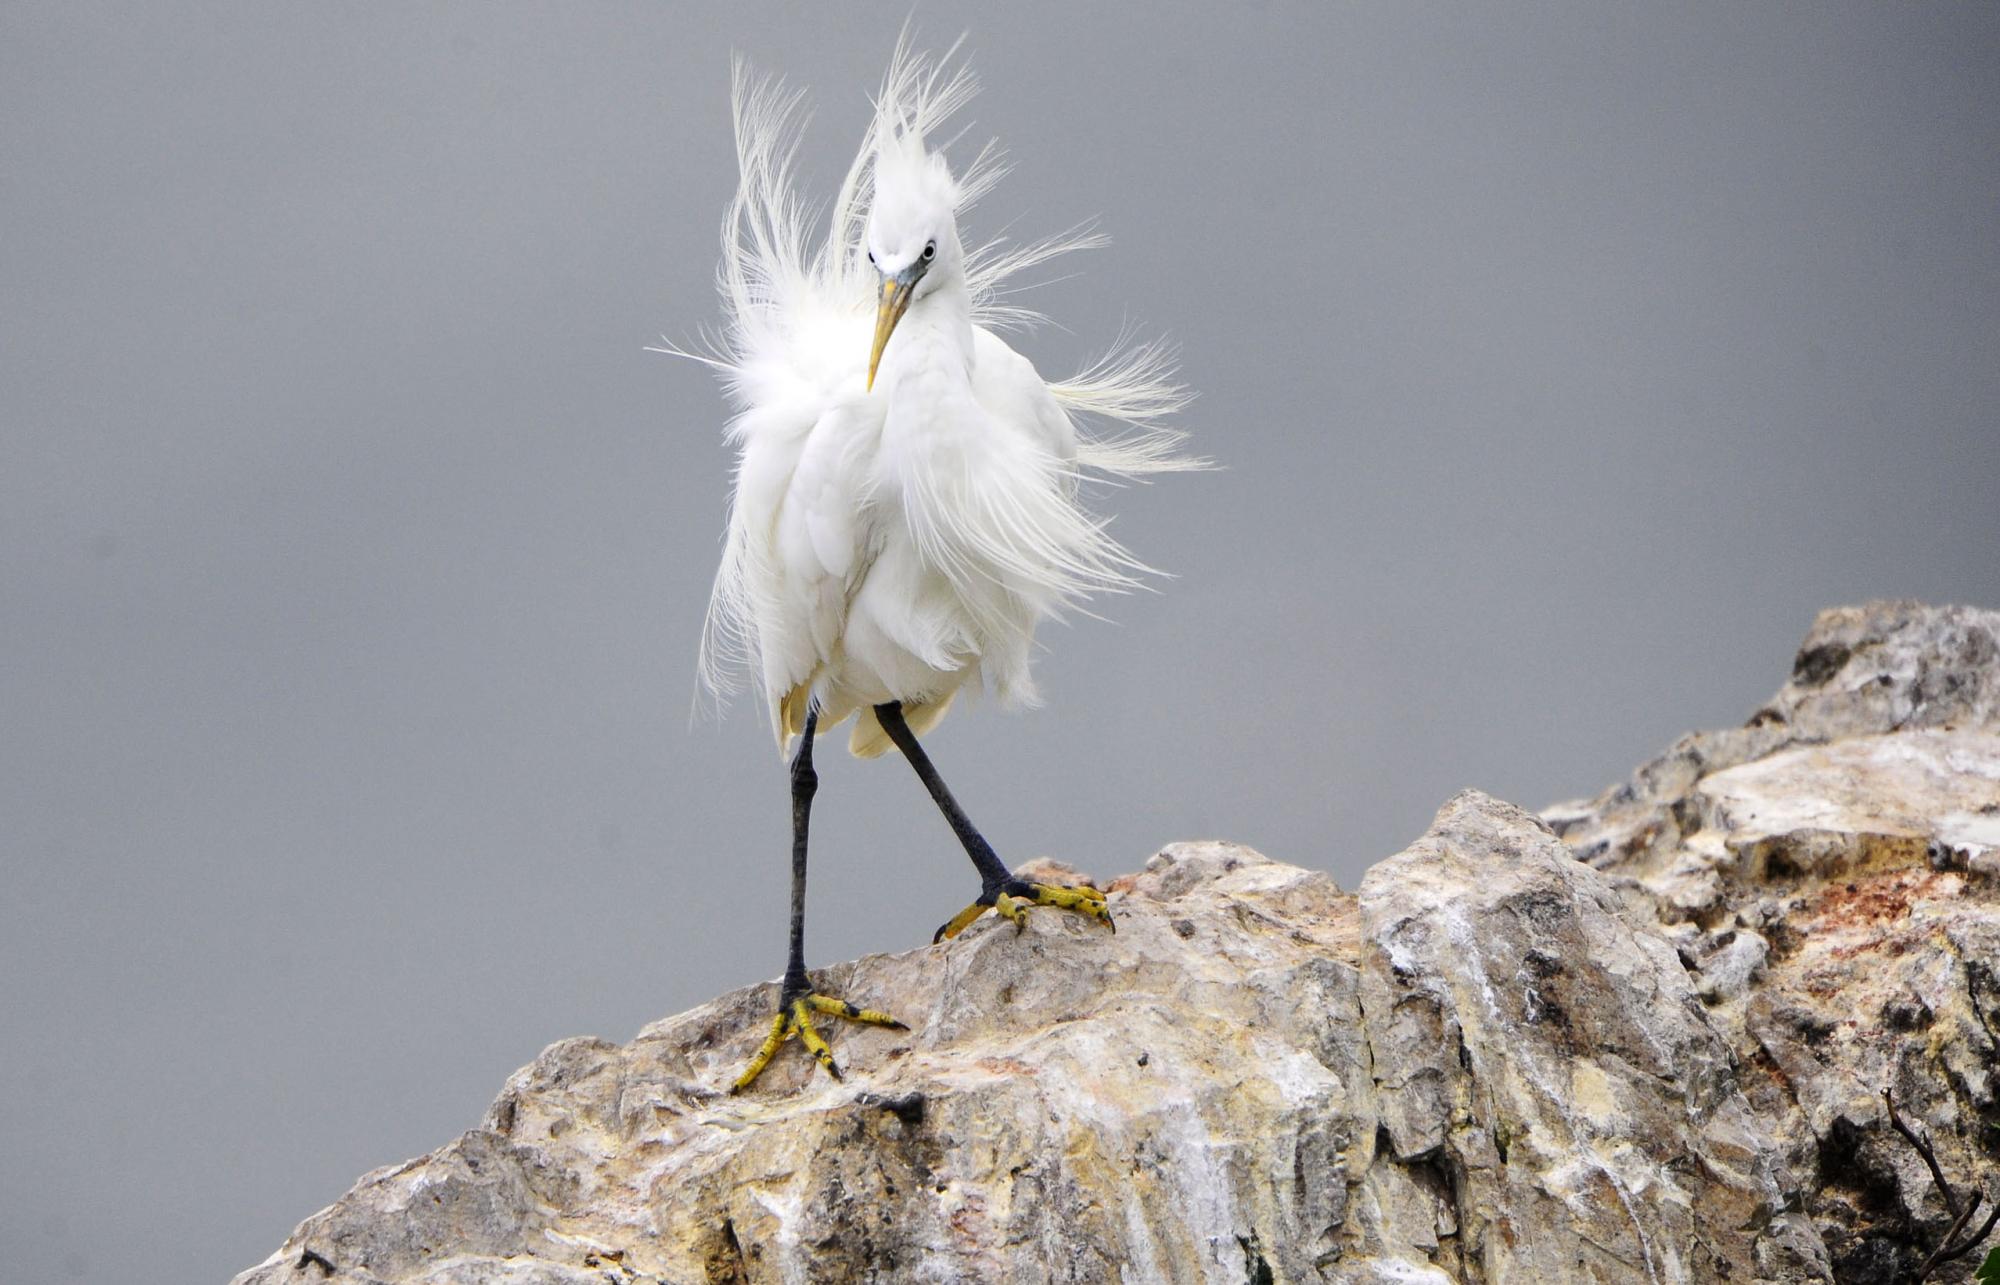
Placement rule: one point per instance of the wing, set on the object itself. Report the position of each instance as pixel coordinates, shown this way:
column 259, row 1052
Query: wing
column 793, row 358
column 992, row 508
column 802, row 533
column 1008, row 388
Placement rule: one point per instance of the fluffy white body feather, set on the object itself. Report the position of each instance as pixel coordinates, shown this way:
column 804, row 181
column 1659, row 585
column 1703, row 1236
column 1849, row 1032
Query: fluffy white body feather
column 900, row 541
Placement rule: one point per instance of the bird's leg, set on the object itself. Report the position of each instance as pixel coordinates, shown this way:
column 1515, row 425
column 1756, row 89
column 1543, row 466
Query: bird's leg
column 796, row 1000
column 805, row 784
column 999, row 890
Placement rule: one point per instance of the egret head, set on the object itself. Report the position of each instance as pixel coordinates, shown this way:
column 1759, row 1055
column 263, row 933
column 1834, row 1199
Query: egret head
column 912, row 236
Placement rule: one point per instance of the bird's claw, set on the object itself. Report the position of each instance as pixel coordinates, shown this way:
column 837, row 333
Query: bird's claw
column 1013, row 900
column 795, row 1018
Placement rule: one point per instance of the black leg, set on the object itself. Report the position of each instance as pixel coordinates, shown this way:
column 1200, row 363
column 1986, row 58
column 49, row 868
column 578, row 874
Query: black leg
column 805, row 782
column 796, row 1001
column 999, row 890
column 993, row 873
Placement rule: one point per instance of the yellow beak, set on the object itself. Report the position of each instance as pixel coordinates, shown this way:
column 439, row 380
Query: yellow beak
column 895, row 300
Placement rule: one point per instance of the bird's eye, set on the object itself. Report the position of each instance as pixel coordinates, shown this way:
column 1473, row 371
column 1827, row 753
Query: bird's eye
column 930, row 251
column 871, row 256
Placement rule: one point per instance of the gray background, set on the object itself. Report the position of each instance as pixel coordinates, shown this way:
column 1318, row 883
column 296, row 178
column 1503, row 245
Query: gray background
column 352, row 552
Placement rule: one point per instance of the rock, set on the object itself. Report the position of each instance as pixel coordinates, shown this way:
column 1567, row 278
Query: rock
column 1878, row 669
column 1493, row 1063
column 1829, row 873
column 1554, row 1064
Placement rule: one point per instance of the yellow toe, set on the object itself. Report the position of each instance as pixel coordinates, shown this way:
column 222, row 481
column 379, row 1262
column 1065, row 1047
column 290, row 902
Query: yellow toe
column 1083, row 900
column 959, row 922
column 1012, row 908
column 796, row 1019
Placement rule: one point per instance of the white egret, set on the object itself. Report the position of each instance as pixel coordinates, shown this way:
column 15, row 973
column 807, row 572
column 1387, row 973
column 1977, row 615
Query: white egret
column 906, row 508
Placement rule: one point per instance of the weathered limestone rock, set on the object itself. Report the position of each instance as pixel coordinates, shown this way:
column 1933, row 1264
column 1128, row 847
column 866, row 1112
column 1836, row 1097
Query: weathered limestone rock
column 1493, row 1063
column 1556, row 1064
column 1831, row 876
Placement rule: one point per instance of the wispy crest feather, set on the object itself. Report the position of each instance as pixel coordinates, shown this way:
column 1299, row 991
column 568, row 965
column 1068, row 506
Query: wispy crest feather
column 771, row 267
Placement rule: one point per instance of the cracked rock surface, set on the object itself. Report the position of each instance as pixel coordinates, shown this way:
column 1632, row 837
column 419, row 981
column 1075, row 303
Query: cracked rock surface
column 1493, row 1062
column 1831, row 875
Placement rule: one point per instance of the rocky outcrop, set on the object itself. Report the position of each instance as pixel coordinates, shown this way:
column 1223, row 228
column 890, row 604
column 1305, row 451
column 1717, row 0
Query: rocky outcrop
column 1493, row 1062
column 1830, row 875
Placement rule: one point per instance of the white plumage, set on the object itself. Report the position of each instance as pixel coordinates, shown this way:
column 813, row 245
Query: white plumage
column 898, row 534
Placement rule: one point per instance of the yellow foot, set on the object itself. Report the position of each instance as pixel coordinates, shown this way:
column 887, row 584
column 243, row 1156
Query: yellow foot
column 795, row 1018
column 1014, row 898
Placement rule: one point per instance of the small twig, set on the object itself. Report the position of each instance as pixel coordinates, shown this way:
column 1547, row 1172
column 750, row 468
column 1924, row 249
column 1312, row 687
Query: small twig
column 1923, row 1146
column 1970, row 1243
column 1945, row 1251
column 1937, row 1255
